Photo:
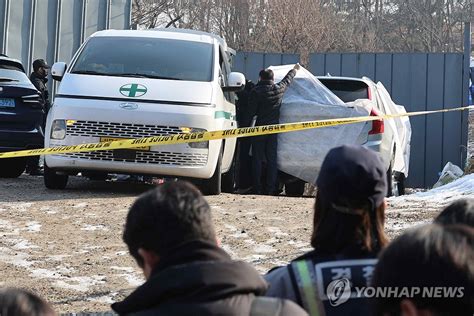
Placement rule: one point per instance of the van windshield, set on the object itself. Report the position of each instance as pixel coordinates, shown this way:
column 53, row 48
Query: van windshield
column 146, row 57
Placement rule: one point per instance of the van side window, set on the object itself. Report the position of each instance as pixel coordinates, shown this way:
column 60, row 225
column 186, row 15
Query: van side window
column 223, row 76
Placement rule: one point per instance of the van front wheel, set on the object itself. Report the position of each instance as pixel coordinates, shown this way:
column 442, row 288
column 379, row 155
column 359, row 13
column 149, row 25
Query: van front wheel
column 54, row 181
column 212, row 186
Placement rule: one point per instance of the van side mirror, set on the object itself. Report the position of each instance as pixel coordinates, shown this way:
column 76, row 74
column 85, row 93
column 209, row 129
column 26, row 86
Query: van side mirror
column 236, row 82
column 58, row 70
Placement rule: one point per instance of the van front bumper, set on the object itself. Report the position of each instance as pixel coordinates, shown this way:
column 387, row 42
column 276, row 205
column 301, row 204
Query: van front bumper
column 169, row 160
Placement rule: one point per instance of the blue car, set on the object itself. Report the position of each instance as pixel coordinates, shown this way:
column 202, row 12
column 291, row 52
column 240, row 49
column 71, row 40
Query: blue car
column 21, row 116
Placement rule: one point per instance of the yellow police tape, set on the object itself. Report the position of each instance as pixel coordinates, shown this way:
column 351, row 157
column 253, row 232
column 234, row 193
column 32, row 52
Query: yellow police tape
column 213, row 135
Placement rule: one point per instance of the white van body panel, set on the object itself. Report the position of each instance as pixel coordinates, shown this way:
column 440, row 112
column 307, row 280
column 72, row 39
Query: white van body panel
column 157, row 90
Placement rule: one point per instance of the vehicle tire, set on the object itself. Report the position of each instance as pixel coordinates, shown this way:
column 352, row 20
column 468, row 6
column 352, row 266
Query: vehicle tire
column 212, row 186
column 229, row 179
column 54, row 181
column 12, row 167
column 295, row 188
column 392, row 183
column 401, row 183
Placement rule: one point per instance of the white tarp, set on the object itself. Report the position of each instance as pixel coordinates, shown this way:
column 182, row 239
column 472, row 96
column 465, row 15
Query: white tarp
column 401, row 130
column 301, row 154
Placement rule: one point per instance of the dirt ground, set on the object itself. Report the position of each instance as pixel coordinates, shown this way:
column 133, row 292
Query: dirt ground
column 66, row 245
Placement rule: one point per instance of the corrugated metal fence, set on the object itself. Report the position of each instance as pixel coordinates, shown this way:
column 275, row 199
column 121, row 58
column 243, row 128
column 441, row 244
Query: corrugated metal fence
column 54, row 29
column 418, row 81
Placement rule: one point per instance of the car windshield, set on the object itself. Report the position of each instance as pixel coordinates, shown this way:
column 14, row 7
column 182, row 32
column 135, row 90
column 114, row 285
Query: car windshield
column 8, row 75
column 146, row 57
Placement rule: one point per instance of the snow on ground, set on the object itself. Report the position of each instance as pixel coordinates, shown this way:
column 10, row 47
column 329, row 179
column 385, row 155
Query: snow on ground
column 420, row 208
column 71, row 251
column 460, row 188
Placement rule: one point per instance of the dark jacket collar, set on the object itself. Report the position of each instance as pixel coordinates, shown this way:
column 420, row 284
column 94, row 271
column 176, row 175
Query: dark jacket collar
column 265, row 83
column 34, row 75
column 197, row 271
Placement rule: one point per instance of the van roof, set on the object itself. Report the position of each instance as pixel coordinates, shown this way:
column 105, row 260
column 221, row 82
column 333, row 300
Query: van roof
column 168, row 33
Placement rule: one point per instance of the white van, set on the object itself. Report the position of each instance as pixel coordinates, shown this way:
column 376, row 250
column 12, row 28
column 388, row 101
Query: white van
column 131, row 84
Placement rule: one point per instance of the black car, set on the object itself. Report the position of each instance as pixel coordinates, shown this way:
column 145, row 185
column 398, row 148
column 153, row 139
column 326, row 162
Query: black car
column 21, row 116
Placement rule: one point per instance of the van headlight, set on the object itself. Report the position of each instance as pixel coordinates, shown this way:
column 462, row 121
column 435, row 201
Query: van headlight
column 58, row 129
column 187, row 130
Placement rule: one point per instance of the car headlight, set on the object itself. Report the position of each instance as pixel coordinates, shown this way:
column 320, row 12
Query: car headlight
column 58, row 129
column 187, row 130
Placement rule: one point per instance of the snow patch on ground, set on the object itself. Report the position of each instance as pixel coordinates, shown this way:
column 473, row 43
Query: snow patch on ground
column 94, row 227
column 264, row 249
column 33, row 227
column 298, row 243
column 81, row 283
column 130, row 276
column 45, row 274
column 276, row 231
column 18, row 259
column 57, row 257
column 104, row 299
column 80, row 205
column 461, row 188
column 22, row 244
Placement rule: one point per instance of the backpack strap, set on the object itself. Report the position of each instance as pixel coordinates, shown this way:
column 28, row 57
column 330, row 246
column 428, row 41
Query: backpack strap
column 265, row 306
column 305, row 286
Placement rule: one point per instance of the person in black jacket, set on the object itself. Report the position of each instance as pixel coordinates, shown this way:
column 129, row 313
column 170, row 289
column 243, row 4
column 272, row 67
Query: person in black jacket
column 170, row 234
column 39, row 79
column 265, row 102
column 244, row 119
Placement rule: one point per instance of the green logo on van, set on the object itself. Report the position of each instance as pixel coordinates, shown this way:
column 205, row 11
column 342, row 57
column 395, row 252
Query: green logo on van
column 133, row 90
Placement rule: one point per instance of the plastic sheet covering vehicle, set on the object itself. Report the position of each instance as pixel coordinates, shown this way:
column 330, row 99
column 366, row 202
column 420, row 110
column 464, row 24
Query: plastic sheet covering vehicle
column 301, row 154
column 402, row 130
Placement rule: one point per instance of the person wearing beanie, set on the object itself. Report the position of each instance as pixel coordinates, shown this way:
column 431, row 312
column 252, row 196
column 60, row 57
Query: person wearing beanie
column 39, row 79
column 348, row 233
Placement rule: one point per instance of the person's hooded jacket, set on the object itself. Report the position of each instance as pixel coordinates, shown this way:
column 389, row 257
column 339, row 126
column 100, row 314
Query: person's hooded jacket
column 199, row 278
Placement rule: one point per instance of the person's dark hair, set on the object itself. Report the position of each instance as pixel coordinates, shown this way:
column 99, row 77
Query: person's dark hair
column 266, row 74
column 428, row 257
column 334, row 231
column 349, row 211
column 20, row 302
column 167, row 216
column 459, row 212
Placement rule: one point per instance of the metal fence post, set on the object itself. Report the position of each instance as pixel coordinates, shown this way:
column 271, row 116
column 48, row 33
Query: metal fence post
column 465, row 90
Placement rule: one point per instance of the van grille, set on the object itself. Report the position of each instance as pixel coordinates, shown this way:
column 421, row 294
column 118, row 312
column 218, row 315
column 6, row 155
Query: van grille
column 148, row 157
column 122, row 130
